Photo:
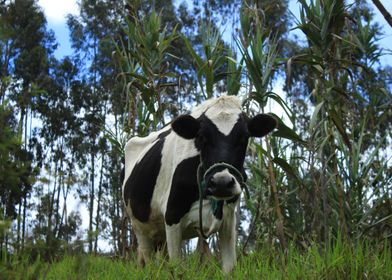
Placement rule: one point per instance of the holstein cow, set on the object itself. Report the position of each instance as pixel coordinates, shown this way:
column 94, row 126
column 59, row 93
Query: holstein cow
column 163, row 173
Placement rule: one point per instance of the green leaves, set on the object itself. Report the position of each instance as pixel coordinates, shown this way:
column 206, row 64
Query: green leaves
column 286, row 132
column 339, row 125
column 210, row 65
column 287, row 168
column 144, row 60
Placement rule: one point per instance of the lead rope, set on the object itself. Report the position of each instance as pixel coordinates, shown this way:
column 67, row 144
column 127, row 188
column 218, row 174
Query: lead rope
column 202, row 186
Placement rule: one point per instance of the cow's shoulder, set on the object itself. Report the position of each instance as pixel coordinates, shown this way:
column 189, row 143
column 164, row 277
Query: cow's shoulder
column 144, row 164
column 136, row 147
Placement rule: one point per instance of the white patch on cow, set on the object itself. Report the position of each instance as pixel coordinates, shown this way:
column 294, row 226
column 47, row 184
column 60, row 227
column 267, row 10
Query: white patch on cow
column 223, row 112
column 136, row 148
column 228, row 237
column 175, row 150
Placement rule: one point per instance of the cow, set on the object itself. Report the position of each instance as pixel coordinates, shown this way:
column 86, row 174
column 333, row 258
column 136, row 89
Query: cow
column 164, row 170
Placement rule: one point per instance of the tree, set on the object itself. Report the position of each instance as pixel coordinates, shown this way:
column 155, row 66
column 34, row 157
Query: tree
column 26, row 48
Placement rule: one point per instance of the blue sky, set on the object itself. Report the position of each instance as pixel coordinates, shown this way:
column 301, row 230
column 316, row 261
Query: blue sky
column 56, row 11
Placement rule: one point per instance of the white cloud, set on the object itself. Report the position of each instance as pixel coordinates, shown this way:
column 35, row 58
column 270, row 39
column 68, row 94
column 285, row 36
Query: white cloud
column 56, row 10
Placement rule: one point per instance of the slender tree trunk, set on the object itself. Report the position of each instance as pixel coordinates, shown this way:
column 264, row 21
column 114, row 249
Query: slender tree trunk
column 64, row 213
column 24, row 220
column 18, row 226
column 51, row 206
column 91, row 207
column 383, row 11
column 25, row 190
column 98, row 217
column 60, row 186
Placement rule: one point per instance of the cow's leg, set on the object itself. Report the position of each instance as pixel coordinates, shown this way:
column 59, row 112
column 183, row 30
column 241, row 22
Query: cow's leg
column 228, row 238
column 145, row 248
column 174, row 240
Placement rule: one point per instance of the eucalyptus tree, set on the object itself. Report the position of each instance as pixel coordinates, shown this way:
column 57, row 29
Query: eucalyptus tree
column 92, row 32
column 26, row 50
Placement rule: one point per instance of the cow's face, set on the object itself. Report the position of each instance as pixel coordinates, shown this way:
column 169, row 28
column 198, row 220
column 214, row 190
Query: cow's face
column 223, row 140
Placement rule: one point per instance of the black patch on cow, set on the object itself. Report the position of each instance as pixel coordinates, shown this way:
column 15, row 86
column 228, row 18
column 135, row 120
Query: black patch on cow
column 184, row 190
column 140, row 185
column 216, row 147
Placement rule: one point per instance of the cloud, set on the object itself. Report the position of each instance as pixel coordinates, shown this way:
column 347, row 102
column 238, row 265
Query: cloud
column 56, row 10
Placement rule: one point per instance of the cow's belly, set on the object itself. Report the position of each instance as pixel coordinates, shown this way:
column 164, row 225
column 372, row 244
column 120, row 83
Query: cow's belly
column 155, row 227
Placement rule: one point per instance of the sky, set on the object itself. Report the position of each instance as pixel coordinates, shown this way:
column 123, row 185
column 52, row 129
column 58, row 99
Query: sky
column 56, row 12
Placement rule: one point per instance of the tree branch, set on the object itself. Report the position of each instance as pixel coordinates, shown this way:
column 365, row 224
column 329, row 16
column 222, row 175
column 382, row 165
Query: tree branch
column 383, row 11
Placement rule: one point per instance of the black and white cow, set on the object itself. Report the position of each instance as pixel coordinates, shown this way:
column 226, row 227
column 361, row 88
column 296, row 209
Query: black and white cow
column 160, row 189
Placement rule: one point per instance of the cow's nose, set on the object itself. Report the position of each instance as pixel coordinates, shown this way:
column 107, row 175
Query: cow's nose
column 218, row 184
column 224, row 182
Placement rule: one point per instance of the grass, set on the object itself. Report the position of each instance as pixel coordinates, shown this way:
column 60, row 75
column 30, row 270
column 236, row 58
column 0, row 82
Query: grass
column 339, row 262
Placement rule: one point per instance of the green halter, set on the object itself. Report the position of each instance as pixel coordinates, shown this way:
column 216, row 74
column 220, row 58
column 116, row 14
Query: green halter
column 217, row 205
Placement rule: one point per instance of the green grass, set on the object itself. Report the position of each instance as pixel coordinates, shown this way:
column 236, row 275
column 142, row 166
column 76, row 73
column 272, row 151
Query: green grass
column 340, row 262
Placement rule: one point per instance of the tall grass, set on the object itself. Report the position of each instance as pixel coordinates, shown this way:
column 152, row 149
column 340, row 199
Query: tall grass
column 340, row 261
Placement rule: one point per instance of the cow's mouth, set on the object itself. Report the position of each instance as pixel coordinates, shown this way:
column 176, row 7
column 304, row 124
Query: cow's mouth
column 220, row 194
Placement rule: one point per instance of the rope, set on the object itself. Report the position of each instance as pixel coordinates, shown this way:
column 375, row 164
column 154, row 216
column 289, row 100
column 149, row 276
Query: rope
column 201, row 182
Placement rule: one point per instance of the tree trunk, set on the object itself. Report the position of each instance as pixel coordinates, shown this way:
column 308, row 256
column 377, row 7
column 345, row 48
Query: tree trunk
column 91, row 207
column 60, row 185
column 18, row 227
column 51, row 206
column 383, row 11
column 98, row 217
column 24, row 220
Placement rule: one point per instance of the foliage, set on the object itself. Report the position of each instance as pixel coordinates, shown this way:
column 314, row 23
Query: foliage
column 142, row 59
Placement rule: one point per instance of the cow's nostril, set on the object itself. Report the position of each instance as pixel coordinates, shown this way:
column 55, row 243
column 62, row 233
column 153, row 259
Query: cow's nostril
column 213, row 184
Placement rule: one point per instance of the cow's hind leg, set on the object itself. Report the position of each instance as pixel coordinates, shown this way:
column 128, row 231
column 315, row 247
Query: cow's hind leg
column 145, row 248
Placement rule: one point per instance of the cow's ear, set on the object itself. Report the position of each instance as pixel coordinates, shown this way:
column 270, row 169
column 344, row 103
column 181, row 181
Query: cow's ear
column 186, row 126
column 261, row 125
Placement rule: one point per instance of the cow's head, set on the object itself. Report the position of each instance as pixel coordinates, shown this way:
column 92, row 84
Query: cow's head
column 223, row 139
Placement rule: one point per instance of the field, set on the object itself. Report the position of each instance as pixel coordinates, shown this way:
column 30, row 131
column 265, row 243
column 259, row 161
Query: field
column 339, row 262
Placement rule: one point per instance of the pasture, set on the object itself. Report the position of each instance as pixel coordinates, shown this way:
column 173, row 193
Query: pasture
column 341, row 261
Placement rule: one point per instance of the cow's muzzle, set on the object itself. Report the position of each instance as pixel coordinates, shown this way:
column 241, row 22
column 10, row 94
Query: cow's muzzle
column 222, row 185
column 221, row 181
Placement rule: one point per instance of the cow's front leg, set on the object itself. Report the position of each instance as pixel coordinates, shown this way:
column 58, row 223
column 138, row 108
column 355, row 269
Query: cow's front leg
column 228, row 238
column 174, row 240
